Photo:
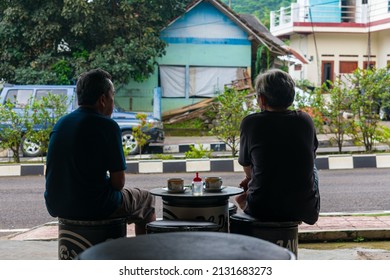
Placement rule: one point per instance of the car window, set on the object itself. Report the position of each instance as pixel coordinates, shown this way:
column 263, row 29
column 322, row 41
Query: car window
column 40, row 93
column 19, row 97
column 44, row 92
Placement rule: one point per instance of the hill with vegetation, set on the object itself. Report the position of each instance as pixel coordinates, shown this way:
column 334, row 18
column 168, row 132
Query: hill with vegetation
column 259, row 8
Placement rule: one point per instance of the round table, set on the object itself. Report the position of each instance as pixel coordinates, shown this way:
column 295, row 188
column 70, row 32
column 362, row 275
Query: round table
column 187, row 246
column 211, row 206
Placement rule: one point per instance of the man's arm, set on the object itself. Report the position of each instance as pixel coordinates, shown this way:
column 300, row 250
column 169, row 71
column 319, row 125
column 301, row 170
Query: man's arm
column 248, row 171
column 117, row 180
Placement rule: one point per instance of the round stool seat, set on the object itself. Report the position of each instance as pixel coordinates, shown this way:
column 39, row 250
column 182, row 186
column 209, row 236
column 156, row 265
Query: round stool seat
column 187, row 246
column 74, row 236
column 180, row 225
column 284, row 234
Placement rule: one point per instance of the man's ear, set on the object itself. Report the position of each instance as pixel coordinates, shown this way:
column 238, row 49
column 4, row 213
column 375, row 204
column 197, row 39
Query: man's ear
column 101, row 102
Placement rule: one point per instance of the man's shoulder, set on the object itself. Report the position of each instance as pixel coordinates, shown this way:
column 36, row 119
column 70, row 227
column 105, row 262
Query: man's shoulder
column 253, row 116
column 93, row 118
column 303, row 115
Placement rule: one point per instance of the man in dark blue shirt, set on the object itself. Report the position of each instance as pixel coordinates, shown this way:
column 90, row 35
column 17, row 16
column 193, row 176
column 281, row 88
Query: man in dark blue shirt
column 277, row 151
column 85, row 175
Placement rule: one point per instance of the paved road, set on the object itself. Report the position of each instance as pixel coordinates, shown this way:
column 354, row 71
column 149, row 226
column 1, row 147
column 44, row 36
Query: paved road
column 22, row 204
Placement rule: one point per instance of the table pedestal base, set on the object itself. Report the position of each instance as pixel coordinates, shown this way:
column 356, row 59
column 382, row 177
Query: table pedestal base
column 217, row 213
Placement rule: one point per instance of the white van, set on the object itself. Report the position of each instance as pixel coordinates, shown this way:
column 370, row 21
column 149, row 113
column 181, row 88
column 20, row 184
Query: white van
column 20, row 95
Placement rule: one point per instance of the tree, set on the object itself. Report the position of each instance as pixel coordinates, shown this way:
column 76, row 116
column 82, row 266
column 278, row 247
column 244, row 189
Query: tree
column 30, row 124
column 368, row 86
column 312, row 102
column 138, row 132
column 260, row 8
column 52, row 42
column 232, row 107
column 46, row 113
column 340, row 102
column 15, row 124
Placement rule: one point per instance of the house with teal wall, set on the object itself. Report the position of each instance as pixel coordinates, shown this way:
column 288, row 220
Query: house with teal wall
column 208, row 47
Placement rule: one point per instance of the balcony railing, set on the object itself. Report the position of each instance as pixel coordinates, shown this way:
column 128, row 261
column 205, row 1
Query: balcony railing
column 327, row 13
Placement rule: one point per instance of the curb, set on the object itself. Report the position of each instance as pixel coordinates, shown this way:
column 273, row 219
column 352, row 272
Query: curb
column 49, row 232
column 330, row 162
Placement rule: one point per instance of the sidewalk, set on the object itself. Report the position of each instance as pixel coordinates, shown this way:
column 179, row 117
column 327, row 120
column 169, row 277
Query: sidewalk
column 40, row 243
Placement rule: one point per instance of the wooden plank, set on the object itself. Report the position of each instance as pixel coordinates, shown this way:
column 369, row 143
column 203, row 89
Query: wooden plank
column 187, row 116
column 171, row 113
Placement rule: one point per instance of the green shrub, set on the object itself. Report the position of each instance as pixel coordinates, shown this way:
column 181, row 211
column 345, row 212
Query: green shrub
column 198, row 152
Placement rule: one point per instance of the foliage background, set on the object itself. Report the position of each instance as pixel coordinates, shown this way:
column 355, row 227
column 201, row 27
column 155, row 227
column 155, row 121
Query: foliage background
column 259, row 8
column 53, row 41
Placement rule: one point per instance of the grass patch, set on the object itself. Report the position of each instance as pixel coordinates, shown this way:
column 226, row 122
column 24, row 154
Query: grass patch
column 384, row 245
column 193, row 127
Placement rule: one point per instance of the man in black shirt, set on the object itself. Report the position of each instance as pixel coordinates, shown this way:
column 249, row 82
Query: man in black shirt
column 85, row 175
column 277, row 151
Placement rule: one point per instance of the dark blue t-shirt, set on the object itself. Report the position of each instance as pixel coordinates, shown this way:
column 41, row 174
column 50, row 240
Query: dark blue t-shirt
column 83, row 146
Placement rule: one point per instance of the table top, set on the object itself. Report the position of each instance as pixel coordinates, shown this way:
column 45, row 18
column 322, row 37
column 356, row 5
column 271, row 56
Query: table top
column 187, row 246
column 225, row 192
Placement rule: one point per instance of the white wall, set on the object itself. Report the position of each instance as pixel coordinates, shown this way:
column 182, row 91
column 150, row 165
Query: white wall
column 341, row 47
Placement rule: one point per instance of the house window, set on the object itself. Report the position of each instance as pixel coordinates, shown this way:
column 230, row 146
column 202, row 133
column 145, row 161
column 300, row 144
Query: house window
column 181, row 81
column 368, row 64
column 347, row 67
column 173, row 81
column 210, row 81
column 364, row 1
column 327, row 72
column 297, row 67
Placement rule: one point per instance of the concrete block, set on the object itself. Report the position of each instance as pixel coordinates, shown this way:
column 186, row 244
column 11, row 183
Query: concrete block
column 340, row 162
column 170, row 149
column 32, row 169
column 10, row 170
column 194, row 165
column 237, row 166
column 221, row 165
column 364, row 161
column 383, row 161
column 151, row 166
column 174, row 166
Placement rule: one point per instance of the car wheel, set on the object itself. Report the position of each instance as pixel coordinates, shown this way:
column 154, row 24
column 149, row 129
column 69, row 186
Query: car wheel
column 30, row 148
column 129, row 143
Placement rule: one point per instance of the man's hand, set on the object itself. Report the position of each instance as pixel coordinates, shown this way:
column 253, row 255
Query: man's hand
column 244, row 183
column 241, row 200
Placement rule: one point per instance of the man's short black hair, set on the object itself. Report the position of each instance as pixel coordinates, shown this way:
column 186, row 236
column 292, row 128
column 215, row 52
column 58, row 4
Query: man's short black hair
column 91, row 85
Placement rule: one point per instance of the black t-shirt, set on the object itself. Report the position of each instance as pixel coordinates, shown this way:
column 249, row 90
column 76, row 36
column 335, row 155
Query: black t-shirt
column 281, row 148
column 83, row 146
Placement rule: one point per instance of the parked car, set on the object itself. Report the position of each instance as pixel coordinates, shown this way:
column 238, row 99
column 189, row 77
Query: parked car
column 20, row 95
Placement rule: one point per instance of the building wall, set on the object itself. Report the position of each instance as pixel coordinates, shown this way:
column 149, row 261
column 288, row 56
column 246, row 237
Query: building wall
column 384, row 46
column 339, row 47
column 202, row 37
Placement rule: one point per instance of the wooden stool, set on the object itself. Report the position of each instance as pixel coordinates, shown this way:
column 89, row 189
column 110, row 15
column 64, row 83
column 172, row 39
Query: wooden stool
column 75, row 236
column 180, row 225
column 284, row 234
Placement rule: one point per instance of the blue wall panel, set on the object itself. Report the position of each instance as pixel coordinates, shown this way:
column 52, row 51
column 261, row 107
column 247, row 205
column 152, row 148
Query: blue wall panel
column 325, row 11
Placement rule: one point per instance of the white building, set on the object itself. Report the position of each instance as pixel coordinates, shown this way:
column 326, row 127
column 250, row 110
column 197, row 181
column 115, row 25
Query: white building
column 336, row 36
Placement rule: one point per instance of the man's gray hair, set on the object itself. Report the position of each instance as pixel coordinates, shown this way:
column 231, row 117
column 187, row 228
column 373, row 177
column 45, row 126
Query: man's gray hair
column 277, row 87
